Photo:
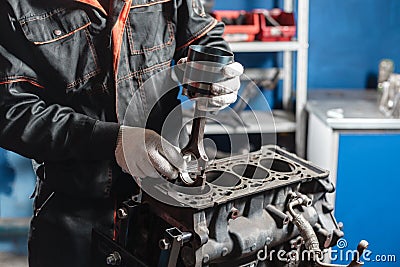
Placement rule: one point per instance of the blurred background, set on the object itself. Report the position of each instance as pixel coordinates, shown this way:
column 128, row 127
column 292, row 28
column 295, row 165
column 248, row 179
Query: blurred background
column 347, row 40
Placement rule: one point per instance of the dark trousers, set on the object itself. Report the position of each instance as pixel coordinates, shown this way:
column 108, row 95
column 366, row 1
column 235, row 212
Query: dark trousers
column 60, row 232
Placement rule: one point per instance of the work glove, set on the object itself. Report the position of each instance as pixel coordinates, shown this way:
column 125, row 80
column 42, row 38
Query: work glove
column 144, row 153
column 225, row 92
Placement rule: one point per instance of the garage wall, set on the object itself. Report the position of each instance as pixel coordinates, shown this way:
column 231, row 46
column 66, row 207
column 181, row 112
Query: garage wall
column 348, row 38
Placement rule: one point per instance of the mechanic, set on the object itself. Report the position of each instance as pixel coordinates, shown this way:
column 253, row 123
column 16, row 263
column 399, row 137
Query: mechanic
column 68, row 70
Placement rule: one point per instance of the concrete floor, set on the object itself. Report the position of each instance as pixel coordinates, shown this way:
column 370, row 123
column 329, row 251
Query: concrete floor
column 12, row 260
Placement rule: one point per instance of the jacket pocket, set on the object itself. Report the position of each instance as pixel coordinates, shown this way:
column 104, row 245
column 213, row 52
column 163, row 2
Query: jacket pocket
column 63, row 41
column 150, row 26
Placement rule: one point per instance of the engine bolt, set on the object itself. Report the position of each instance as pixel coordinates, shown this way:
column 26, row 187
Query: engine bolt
column 206, row 258
column 234, row 213
column 164, row 244
column 114, row 259
column 122, row 213
column 224, row 251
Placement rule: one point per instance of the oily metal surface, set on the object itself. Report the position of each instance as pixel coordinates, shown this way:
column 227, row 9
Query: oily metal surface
column 265, row 199
column 235, row 177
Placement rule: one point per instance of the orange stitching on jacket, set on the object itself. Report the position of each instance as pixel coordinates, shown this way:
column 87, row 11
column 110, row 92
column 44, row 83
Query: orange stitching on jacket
column 142, row 93
column 131, row 85
column 62, row 37
column 117, row 33
column 22, row 80
column 92, row 48
column 143, row 71
column 149, row 4
column 129, row 33
column 160, row 46
column 40, row 17
column 199, row 34
column 83, row 78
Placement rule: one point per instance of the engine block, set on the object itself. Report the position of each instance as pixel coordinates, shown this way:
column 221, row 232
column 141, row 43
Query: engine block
column 268, row 200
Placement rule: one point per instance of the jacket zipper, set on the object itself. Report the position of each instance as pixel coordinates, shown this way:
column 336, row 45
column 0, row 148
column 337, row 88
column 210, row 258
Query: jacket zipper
column 38, row 210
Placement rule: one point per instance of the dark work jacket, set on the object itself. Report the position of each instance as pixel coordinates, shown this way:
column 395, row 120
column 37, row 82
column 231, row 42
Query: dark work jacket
column 68, row 70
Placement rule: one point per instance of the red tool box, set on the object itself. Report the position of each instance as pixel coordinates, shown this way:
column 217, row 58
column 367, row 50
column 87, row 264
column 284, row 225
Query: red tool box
column 275, row 25
column 240, row 26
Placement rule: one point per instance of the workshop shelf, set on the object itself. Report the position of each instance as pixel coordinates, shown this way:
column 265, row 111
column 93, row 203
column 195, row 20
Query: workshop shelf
column 239, row 25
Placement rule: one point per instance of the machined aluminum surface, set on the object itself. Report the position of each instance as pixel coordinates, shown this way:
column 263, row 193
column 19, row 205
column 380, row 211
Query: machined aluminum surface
column 239, row 176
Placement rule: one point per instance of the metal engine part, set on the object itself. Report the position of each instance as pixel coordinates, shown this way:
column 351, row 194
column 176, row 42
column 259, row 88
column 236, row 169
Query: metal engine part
column 250, row 206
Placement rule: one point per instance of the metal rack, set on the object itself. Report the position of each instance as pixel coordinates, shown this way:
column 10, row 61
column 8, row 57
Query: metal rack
column 300, row 46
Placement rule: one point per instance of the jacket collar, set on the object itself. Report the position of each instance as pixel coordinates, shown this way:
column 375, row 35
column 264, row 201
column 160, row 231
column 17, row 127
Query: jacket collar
column 93, row 3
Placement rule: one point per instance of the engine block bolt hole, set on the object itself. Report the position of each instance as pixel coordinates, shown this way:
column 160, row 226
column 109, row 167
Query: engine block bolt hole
column 234, row 213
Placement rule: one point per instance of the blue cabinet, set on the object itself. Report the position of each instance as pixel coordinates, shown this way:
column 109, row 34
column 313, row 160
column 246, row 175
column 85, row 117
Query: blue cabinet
column 361, row 148
column 368, row 182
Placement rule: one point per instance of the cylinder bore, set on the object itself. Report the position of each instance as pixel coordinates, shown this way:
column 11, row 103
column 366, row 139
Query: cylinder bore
column 221, row 178
column 277, row 165
column 250, row 171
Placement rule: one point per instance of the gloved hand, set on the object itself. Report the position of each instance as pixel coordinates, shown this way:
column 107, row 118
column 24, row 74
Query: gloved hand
column 225, row 92
column 144, row 153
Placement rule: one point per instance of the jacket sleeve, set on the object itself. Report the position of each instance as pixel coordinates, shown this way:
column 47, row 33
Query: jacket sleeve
column 194, row 26
column 30, row 124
